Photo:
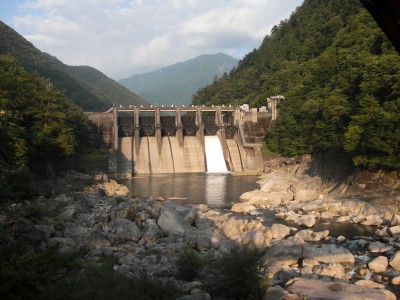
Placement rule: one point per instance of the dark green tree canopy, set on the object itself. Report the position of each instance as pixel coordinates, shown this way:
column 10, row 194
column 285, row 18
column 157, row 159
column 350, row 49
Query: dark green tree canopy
column 340, row 77
column 38, row 124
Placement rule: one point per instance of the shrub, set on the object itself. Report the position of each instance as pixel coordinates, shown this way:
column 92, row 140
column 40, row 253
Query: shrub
column 99, row 281
column 189, row 264
column 237, row 275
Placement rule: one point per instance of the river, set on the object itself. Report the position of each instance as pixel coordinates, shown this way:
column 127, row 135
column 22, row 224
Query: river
column 213, row 189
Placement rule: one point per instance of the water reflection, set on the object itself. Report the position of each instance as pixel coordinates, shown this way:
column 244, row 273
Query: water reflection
column 215, row 190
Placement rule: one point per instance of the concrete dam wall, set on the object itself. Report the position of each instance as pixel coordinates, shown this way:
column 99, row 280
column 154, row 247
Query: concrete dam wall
column 146, row 140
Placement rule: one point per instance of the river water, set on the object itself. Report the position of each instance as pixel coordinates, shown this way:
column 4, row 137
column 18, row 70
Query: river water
column 213, row 189
column 221, row 191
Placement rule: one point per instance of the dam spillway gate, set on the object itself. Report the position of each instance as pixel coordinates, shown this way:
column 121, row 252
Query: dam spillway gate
column 144, row 140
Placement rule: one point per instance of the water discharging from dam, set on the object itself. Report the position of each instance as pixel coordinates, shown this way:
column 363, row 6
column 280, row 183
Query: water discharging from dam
column 214, row 155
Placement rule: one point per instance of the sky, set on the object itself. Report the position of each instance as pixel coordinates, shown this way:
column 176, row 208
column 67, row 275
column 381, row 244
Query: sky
column 126, row 37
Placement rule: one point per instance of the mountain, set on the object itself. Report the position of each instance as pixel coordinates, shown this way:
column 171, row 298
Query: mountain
column 86, row 86
column 340, row 78
column 177, row 83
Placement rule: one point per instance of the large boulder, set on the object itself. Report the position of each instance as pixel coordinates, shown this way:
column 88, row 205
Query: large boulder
column 307, row 220
column 233, row 228
column 311, row 236
column 171, row 220
column 395, row 261
column 305, row 195
column 279, row 231
column 317, row 289
column 330, row 253
column 150, row 231
column 379, row 264
column 317, row 205
column 285, row 253
column 125, row 230
column 243, row 208
column 254, row 239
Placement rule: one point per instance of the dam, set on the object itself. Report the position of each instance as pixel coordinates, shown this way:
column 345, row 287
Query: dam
column 194, row 139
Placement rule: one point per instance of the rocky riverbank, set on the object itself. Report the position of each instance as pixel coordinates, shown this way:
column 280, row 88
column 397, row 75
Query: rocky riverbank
column 147, row 237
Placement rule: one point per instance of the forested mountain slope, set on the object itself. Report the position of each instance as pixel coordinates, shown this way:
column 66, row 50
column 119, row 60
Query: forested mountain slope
column 341, row 79
column 94, row 93
column 39, row 128
column 176, row 84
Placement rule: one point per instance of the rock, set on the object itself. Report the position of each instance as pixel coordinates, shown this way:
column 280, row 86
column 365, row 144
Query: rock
column 395, row 220
column 243, row 208
column 330, row 254
column 317, row 205
column 380, row 233
column 112, row 188
column 125, row 230
column 326, row 215
column 150, row 231
column 317, row 289
column 396, row 280
column 341, row 238
column 64, row 245
column 201, row 208
column 370, row 284
column 275, row 293
column 254, row 239
column 307, row 221
column 200, row 295
column 395, row 261
column 331, row 270
column 394, row 230
column 379, row 264
column 47, row 231
column 358, row 218
column 376, row 247
column 279, row 231
column 372, row 220
column 203, row 223
column 291, row 216
column 343, row 219
column 310, row 236
column 120, row 211
column 68, row 214
column 233, row 228
column 285, row 252
column 171, row 220
column 304, row 195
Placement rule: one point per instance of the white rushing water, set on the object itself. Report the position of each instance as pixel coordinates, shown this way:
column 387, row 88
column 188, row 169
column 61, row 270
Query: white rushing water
column 214, row 155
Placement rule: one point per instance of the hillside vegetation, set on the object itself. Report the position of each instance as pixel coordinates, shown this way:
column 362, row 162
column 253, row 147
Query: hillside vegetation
column 87, row 87
column 39, row 128
column 341, row 80
column 176, row 84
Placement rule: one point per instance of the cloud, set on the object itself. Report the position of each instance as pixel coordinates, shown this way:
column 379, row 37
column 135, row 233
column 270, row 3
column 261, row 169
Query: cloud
column 125, row 37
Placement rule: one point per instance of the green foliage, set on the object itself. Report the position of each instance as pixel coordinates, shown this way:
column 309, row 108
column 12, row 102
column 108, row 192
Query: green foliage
column 189, row 264
column 37, row 212
column 238, row 275
column 100, row 281
column 39, row 127
column 26, row 273
column 340, row 77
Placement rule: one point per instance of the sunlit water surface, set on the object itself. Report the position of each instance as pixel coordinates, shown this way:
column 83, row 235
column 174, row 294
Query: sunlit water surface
column 212, row 189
